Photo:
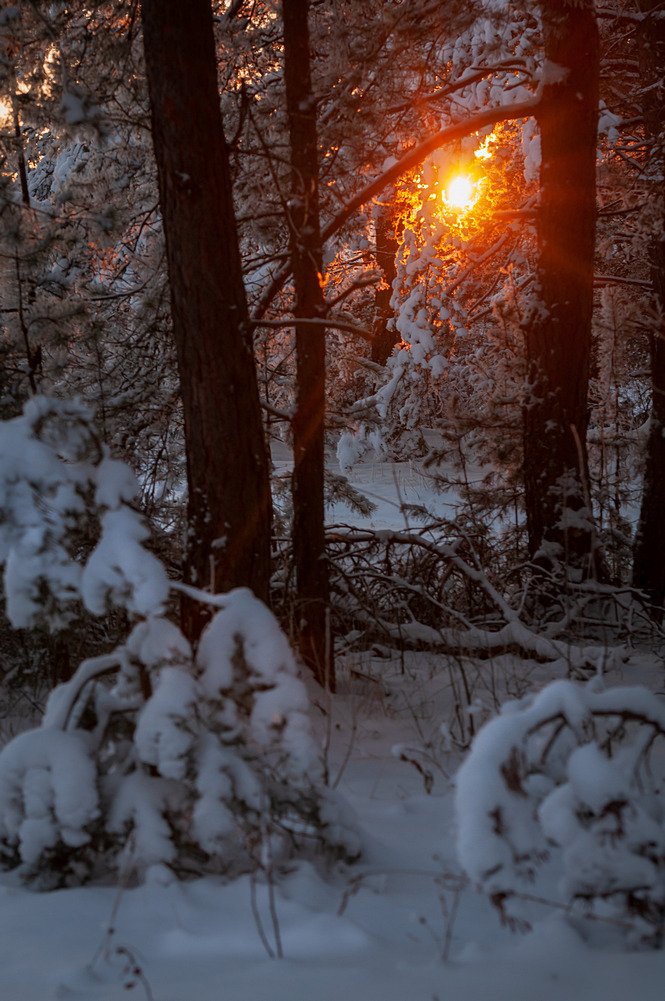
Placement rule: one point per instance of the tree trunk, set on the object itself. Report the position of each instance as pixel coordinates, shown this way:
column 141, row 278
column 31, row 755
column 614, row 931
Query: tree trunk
column 649, row 561
column 558, row 335
column 308, row 422
column 229, row 509
column 384, row 336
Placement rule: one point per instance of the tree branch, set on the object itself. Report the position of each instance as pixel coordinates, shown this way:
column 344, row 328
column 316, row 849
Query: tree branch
column 415, row 156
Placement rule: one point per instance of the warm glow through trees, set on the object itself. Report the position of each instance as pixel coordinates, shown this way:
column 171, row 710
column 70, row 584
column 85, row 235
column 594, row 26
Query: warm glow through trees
column 5, row 112
column 460, row 192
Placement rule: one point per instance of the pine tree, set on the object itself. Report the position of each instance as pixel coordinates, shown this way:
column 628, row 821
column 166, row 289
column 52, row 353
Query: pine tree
column 229, row 507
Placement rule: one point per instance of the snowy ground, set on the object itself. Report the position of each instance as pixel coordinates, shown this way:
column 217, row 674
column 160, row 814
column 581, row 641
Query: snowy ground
column 376, row 932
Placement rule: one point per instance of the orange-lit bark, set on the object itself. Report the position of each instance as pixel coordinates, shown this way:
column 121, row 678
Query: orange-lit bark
column 308, row 421
column 558, row 335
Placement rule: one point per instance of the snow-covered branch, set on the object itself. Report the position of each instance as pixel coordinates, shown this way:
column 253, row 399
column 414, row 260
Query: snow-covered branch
column 410, row 160
column 569, row 767
column 572, row 659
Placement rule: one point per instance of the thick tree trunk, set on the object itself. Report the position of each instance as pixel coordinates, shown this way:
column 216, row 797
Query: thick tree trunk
column 649, row 561
column 308, row 422
column 558, row 336
column 229, row 510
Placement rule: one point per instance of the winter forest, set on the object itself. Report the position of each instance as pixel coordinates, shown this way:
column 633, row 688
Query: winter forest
column 332, row 500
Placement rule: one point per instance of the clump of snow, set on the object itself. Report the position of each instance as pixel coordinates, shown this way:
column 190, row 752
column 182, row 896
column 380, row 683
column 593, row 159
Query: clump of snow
column 163, row 735
column 139, row 814
column 115, row 483
column 608, row 123
column 351, row 448
column 531, row 150
column 156, row 641
column 48, row 793
column 50, row 463
column 120, row 572
column 259, row 706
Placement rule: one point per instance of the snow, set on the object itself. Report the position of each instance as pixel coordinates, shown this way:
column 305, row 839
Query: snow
column 403, row 922
column 375, row 930
column 48, row 791
column 141, row 805
column 162, row 736
column 115, row 483
column 24, row 571
column 156, row 641
column 391, row 487
column 120, row 571
column 50, row 458
column 199, row 939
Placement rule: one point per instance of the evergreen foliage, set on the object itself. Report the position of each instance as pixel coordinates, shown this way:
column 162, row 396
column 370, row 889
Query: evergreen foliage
column 200, row 762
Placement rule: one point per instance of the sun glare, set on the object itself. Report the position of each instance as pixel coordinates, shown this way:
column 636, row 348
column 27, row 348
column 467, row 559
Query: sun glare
column 5, row 112
column 459, row 192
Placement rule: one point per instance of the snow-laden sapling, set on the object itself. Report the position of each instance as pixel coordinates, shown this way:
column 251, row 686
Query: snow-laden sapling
column 577, row 768
column 151, row 755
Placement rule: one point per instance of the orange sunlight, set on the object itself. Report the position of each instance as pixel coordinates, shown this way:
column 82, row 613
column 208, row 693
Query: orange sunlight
column 5, row 112
column 460, row 192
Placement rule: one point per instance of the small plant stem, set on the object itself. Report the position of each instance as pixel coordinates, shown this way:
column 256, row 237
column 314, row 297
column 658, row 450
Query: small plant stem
column 257, row 917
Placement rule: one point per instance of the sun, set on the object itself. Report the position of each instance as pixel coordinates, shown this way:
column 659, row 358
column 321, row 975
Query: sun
column 5, row 112
column 459, row 193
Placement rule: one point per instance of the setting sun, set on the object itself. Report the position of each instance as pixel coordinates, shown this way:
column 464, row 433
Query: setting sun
column 459, row 192
column 5, row 112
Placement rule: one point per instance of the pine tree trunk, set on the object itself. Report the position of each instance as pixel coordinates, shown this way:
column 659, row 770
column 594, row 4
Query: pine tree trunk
column 384, row 336
column 649, row 561
column 558, row 335
column 308, row 422
column 229, row 509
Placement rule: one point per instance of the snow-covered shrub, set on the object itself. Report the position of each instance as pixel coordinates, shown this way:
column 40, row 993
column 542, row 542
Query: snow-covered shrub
column 59, row 488
column 150, row 755
column 579, row 768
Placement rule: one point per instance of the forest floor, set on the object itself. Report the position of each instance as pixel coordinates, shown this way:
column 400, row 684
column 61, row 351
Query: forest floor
column 400, row 925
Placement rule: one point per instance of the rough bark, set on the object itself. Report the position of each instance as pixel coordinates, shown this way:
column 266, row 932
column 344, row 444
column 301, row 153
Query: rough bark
column 229, row 510
column 558, row 335
column 308, row 422
column 649, row 557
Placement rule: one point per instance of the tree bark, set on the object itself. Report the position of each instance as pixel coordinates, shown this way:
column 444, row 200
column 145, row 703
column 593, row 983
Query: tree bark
column 229, row 508
column 384, row 337
column 649, row 556
column 558, row 334
column 312, row 597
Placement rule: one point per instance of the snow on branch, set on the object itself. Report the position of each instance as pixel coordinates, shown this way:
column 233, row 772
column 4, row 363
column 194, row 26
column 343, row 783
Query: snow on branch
column 55, row 476
column 415, row 156
column 514, row 634
column 571, row 768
